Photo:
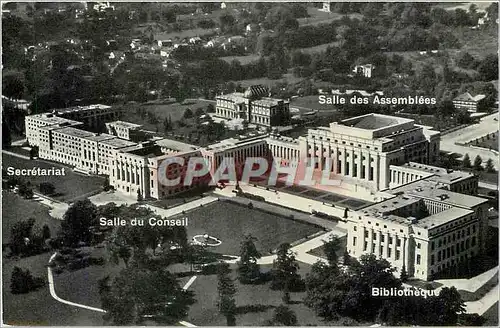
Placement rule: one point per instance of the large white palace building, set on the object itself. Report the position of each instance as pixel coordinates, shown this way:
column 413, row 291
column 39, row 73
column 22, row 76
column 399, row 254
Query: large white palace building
column 422, row 218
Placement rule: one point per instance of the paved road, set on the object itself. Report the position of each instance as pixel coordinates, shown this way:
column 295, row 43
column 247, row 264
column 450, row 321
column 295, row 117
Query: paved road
column 488, row 185
column 485, row 126
column 15, row 154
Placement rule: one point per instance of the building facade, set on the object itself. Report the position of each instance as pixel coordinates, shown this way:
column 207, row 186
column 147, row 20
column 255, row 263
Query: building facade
column 92, row 116
column 254, row 107
column 468, row 102
column 422, row 230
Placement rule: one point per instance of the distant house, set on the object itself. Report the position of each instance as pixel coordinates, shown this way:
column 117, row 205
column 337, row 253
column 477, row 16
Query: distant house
column 251, row 28
column 327, row 6
column 216, row 42
column 468, row 102
column 116, row 55
column 164, row 43
column 135, row 44
column 365, row 70
column 195, row 40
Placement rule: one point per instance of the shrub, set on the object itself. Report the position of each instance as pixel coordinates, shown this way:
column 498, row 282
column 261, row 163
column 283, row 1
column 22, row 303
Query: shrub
column 23, row 281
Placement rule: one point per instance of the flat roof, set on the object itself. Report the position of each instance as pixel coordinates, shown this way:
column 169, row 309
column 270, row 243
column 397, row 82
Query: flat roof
column 101, row 137
column 52, row 119
column 431, row 190
column 81, row 108
column 125, row 124
column 175, row 145
column 118, row 143
column 374, row 121
column 266, row 101
column 237, row 97
column 75, row 132
column 442, row 217
column 390, row 205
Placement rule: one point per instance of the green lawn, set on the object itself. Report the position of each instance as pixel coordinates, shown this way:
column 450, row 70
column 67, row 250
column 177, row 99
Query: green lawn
column 230, row 222
column 317, row 17
column 242, row 59
column 286, row 78
column 255, row 304
column 68, row 187
column 39, row 308
column 312, row 103
column 16, row 209
column 319, row 48
column 491, row 316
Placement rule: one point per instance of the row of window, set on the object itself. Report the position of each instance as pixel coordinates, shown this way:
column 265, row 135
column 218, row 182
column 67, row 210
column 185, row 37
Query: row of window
column 452, row 237
column 450, row 251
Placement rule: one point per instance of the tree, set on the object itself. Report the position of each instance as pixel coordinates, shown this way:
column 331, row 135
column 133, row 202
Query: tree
column 78, row 221
column 47, row 188
column 33, row 152
column 331, row 247
column 22, row 281
column 285, row 269
column 13, row 84
column 227, row 290
column 210, row 108
column 137, row 294
column 488, row 68
column 20, row 236
column 25, row 190
column 490, row 167
column 477, row 163
column 283, row 316
column 199, row 111
column 248, row 268
column 332, row 292
column 226, row 21
column 466, row 60
column 466, row 162
column 45, row 232
column 167, row 124
column 404, row 274
column 188, row 113
column 6, row 134
column 105, row 185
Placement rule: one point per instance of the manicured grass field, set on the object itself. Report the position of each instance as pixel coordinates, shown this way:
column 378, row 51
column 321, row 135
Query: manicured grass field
column 255, row 303
column 68, row 187
column 38, row 308
column 161, row 111
column 230, row 222
column 287, row 78
column 312, row 103
column 242, row 59
column 317, row 17
column 16, row 209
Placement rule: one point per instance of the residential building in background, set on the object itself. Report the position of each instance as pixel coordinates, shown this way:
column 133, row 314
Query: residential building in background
column 468, row 102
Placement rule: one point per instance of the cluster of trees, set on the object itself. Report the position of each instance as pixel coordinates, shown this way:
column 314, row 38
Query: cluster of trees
column 334, row 292
column 478, row 164
column 27, row 239
column 139, row 294
column 22, row 281
column 24, row 187
column 283, row 277
column 145, row 289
